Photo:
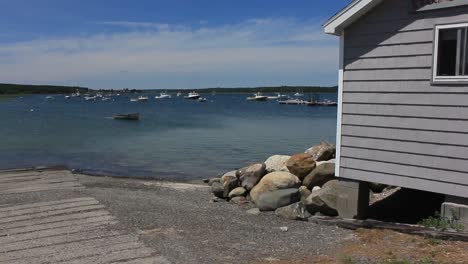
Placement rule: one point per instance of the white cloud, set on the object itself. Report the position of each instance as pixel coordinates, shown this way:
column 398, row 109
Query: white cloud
column 263, row 46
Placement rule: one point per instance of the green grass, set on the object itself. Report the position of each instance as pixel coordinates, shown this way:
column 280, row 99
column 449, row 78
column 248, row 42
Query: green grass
column 443, row 223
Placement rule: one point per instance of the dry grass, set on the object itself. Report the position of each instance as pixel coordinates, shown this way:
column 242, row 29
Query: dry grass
column 388, row 247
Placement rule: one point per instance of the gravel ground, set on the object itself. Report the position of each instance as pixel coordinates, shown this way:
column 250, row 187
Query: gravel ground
column 182, row 224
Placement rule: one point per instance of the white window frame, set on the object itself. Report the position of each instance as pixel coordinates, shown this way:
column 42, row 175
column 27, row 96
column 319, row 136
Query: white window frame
column 444, row 79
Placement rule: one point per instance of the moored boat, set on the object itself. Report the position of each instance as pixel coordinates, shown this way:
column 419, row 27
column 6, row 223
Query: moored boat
column 133, row 116
column 201, row 99
column 192, row 96
column 258, row 97
column 163, row 95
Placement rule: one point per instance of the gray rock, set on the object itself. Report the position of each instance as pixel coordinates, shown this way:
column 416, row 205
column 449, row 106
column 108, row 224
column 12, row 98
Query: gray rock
column 295, row 211
column 377, row 187
column 323, row 200
column 284, row 229
column 239, row 191
column 319, row 176
column 239, row 200
column 273, row 200
column 250, row 175
column 277, row 163
column 300, row 165
column 213, row 180
column 253, row 211
column 304, row 192
column 274, row 181
column 229, row 183
column 323, row 151
column 217, row 189
column 227, row 175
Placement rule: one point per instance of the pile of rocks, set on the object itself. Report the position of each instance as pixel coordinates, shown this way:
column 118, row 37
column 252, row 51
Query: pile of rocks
column 295, row 187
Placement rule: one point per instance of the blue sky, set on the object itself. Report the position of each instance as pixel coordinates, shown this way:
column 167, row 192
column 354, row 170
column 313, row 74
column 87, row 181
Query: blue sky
column 167, row 44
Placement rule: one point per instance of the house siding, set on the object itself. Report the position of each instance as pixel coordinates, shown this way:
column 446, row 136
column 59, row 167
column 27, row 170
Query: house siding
column 396, row 126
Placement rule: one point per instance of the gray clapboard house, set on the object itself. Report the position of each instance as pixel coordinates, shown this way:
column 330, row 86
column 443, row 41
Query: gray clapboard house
column 403, row 94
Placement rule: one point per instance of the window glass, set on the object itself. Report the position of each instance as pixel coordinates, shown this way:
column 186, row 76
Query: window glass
column 447, row 57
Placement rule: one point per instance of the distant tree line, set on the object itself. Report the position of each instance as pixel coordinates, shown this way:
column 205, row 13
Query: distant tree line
column 271, row 89
column 38, row 89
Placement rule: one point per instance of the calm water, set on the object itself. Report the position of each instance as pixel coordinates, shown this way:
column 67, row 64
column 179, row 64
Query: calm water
column 176, row 138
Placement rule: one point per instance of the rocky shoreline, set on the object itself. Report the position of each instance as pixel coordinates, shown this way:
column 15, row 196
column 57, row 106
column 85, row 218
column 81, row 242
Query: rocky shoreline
column 295, row 187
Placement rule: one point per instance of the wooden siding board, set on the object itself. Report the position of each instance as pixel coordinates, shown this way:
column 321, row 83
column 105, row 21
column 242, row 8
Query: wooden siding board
column 388, row 51
column 390, row 63
column 403, row 86
column 391, row 38
column 406, row 146
column 393, row 74
column 406, row 135
column 399, row 180
column 410, row 171
column 407, row 122
column 408, row 111
column 402, row 98
column 434, row 162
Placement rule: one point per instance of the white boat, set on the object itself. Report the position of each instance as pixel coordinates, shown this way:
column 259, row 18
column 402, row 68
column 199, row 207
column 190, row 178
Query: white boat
column 67, row 97
column 99, row 95
column 143, row 98
column 295, row 102
column 201, row 99
column 298, row 94
column 192, row 96
column 90, row 98
column 179, row 94
column 163, row 95
column 278, row 96
column 140, row 99
column 50, row 97
column 327, row 103
column 106, row 99
column 258, row 97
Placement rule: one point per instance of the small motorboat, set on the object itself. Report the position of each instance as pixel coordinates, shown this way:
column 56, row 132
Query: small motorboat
column 50, row 97
column 327, row 103
column 139, row 99
column 179, row 94
column 278, row 96
column 192, row 96
column 163, row 95
column 106, row 99
column 298, row 94
column 143, row 98
column 133, row 116
column 294, row 102
column 201, row 99
column 67, row 97
column 258, row 97
column 90, row 98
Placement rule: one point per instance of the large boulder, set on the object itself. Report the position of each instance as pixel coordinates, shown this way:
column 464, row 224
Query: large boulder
column 304, row 192
column 300, row 165
column 272, row 200
column 217, row 189
column 250, row 175
column 295, row 211
column 324, row 172
column 323, row 151
column 324, row 201
column 277, row 163
column 274, row 181
column 229, row 183
column 227, row 175
column 239, row 191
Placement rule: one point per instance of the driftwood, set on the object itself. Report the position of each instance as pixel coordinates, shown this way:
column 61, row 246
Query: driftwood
column 402, row 228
